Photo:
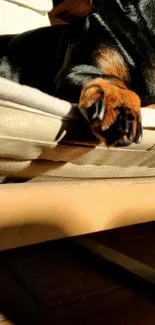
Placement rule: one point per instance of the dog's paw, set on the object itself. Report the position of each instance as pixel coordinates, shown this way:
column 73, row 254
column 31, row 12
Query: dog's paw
column 113, row 112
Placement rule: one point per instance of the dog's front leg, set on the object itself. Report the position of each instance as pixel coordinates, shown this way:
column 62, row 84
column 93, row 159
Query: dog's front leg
column 112, row 110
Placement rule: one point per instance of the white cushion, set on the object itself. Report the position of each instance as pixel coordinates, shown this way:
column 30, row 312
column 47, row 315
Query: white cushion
column 42, row 135
column 38, row 5
column 22, row 15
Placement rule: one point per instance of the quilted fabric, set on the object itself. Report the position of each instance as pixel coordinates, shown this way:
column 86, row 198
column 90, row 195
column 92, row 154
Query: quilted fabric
column 42, row 135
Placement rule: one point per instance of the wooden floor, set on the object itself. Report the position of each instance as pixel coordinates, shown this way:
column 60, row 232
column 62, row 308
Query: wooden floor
column 58, row 283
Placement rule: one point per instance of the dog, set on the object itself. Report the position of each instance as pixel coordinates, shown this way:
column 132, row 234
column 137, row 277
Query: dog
column 105, row 62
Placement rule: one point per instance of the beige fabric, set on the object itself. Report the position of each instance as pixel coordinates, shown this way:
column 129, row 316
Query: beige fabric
column 33, row 100
column 38, row 5
column 34, row 213
column 42, row 135
column 43, row 138
column 26, row 136
column 15, row 17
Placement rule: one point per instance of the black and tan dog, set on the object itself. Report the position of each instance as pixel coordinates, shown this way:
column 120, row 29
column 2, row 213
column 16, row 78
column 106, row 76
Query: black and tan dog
column 106, row 63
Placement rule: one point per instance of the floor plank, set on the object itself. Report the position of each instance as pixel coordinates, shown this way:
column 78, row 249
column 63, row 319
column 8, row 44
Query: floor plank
column 120, row 307
column 57, row 282
column 14, row 300
column 53, row 273
column 136, row 241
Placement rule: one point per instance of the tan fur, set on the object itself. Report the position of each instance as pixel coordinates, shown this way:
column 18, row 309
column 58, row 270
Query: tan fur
column 112, row 63
column 114, row 97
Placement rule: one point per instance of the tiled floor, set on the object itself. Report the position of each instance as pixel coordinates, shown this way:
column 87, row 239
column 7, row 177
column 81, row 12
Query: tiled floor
column 56, row 283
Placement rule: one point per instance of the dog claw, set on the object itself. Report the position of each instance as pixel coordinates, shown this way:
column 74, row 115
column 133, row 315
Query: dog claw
column 139, row 133
column 84, row 112
column 126, row 123
column 130, row 132
column 127, row 127
column 95, row 112
column 100, row 110
column 121, row 132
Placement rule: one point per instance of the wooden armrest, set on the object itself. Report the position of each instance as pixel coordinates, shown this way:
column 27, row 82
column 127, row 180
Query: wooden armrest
column 32, row 213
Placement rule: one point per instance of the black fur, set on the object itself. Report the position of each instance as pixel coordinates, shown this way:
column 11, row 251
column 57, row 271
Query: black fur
column 59, row 60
